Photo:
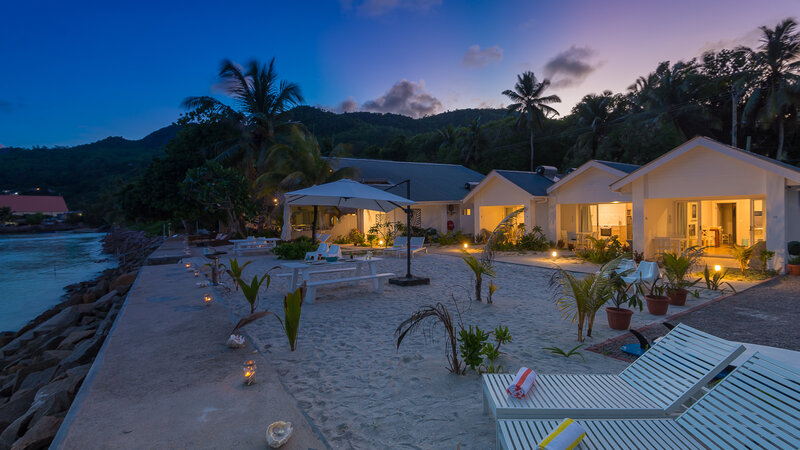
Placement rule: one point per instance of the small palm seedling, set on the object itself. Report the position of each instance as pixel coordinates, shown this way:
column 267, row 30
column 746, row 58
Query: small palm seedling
column 764, row 257
column 480, row 268
column 492, row 289
column 292, row 306
column 573, row 351
column 250, row 290
column 437, row 313
column 742, row 255
column 234, row 270
column 714, row 282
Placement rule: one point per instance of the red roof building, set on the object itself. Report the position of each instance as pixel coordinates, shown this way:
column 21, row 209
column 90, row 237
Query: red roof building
column 50, row 205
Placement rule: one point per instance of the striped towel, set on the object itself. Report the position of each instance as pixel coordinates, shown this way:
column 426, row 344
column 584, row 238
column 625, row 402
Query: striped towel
column 566, row 436
column 522, row 383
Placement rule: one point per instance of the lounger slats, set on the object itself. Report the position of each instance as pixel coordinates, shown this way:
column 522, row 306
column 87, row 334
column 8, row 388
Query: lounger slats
column 756, row 406
column 656, row 385
column 680, row 363
column 569, row 395
column 600, row 434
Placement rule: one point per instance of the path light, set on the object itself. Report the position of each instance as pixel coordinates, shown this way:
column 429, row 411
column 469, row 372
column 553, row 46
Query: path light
column 554, row 254
column 380, row 242
column 466, row 246
column 188, row 266
column 249, row 372
column 207, row 299
column 717, row 268
column 196, row 273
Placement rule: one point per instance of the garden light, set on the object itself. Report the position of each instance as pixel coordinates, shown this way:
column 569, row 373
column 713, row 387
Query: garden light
column 207, row 299
column 466, row 245
column 249, row 372
column 717, row 268
column 554, row 254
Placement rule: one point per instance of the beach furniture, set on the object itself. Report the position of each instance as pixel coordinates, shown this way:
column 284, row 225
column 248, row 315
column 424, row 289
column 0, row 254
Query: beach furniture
column 333, row 251
column 657, row 384
column 398, row 245
column 756, row 406
column 647, row 272
column 323, row 237
column 418, row 245
column 301, row 272
column 318, row 253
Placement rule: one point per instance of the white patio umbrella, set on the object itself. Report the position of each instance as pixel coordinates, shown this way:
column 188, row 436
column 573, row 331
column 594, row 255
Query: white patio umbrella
column 342, row 194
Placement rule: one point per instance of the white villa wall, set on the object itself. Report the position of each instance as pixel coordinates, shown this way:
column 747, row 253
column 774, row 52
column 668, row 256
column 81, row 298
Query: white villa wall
column 792, row 207
column 496, row 194
column 591, row 186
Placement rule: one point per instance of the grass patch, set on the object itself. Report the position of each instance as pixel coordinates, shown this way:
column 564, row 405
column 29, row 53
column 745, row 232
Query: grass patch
column 748, row 275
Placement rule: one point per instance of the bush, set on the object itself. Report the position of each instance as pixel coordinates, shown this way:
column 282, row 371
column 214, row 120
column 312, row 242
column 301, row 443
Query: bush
column 294, row 250
column 357, row 237
column 452, row 238
column 535, row 240
column 602, row 250
column 794, row 248
column 33, row 219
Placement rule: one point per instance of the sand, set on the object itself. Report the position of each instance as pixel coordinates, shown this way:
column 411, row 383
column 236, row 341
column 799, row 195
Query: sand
column 361, row 392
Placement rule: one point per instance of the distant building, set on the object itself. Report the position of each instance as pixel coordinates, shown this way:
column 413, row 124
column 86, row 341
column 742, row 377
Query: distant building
column 49, row 205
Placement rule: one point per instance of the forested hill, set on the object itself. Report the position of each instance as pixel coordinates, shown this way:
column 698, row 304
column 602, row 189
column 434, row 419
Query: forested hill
column 82, row 172
column 363, row 129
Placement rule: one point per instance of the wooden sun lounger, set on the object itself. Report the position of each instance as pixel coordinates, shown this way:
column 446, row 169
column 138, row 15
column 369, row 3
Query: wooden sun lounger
column 756, row 406
column 655, row 385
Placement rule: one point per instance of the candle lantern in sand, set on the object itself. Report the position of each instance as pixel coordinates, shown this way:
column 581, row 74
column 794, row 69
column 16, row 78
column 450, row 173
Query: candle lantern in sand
column 249, row 372
column 196, row 273
column 207, row 299
column 188, row 266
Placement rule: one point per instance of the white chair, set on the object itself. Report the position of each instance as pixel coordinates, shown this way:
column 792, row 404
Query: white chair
column 323, row 237
column 655, row 385
column 318, row 253
column 333, row 251
column 418, row 245
column 647, row 272
column 398, row 245
column 756, row 406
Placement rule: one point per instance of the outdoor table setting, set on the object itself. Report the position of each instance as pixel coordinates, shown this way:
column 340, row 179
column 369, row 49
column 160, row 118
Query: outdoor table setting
column 302, row 271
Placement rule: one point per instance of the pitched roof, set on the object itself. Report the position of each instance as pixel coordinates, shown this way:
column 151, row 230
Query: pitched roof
column 787, row 170
column 530, row 182
column 430, row 182
column 622, row 167
column 34, row 203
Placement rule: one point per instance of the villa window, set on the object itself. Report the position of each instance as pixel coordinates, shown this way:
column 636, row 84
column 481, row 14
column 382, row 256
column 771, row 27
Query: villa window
column 466, row 212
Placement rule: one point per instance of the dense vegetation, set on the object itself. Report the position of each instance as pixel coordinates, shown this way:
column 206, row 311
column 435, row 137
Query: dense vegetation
column 747, row 97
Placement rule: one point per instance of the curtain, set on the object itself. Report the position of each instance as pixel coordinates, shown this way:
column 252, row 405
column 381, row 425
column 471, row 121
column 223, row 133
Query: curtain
column 584, row 219
column 681, row 220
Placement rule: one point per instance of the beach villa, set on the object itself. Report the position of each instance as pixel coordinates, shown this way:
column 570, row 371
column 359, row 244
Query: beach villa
column 505, row 191
column 437, row 190
column 701, row 193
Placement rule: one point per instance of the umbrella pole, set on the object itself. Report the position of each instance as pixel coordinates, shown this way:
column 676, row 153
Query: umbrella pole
column 408, row 241
column 408, row 280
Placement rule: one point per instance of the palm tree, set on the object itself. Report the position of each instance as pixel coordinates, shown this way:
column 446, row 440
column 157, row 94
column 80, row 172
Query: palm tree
column 261, row 101
column 299, row 163
column 447, row 141
column 777, row 97
column 474, row 142
column 595, row 112
column 529, row 104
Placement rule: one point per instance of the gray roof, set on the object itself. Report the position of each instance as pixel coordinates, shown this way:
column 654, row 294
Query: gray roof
column 627, row 168
column 430, row 182
column 531, row 182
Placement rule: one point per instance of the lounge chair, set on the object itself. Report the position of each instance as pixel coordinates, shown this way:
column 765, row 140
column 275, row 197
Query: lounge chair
column 756, row 406
column 655, row 385
column 647, row 272
column 318, row 253
column 334, row 250
column 418, row 245
column 323, row 237
column 398, row 245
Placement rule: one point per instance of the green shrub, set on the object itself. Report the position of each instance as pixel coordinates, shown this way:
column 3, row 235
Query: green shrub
column 452, row 238
column 535, row 241
column 602, row 250
column 294, row 250
column 356, row 237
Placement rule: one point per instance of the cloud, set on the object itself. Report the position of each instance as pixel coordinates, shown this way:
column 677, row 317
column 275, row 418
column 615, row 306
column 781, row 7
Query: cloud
column 475, row 57
column 347, row 106
column 570, row 67
column 407, row 98
column 749, row 39
column 379, row 7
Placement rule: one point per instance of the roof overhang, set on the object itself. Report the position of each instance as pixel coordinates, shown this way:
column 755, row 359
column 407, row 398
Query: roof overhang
column 701, row 141
column 592, row 164
column 493, row 175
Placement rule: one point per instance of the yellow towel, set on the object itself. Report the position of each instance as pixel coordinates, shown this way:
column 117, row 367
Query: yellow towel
column 566, row 436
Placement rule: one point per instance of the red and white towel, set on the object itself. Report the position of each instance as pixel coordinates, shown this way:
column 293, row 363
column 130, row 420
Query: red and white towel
column 522, row 383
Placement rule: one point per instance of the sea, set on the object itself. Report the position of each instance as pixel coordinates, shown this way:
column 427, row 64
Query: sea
column 35, row 268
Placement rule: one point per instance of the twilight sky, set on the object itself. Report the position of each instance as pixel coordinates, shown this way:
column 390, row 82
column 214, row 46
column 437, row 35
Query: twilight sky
column 75, row 72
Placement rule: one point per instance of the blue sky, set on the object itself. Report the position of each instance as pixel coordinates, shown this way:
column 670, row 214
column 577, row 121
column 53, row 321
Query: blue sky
column 75, row 72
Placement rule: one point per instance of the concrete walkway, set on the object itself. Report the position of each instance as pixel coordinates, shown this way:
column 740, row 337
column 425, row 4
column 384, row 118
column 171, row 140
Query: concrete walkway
column 165, row 378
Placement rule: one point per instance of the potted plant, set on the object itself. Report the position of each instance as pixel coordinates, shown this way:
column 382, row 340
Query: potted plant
column 676, row 270
column 793, row 265
column 657, row 302
column 619, row 318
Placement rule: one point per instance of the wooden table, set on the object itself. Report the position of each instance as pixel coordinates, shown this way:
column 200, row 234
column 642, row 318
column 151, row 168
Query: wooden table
column 301, row 271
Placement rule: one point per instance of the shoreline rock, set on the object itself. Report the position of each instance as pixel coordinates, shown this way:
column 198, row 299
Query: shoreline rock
column 43, row 364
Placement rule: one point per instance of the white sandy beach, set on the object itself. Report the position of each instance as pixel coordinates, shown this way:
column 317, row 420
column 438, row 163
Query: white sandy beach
column 361, row 392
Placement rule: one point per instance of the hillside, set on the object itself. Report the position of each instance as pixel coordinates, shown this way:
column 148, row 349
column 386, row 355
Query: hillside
column 82, row 172
column 362, row 129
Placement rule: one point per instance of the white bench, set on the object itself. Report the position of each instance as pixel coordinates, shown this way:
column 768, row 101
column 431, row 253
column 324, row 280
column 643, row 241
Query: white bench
column 289, row 274
column 311, row 291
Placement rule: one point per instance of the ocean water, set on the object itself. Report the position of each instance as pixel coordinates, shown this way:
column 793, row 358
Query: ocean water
column 35, row 268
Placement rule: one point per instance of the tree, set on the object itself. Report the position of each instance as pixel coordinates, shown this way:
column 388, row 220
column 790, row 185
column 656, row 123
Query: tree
column 299, row 163
column 218, row 189
column 529, row 104
column 595, row 112
column 447, row 137
column 6, row 214
column 261, row 102
column 474, row 141
column 777, row 96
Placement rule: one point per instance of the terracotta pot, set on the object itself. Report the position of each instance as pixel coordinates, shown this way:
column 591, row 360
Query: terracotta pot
column 793, row 269
column 618, row 319
column 657, row 305
column 678, row 297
